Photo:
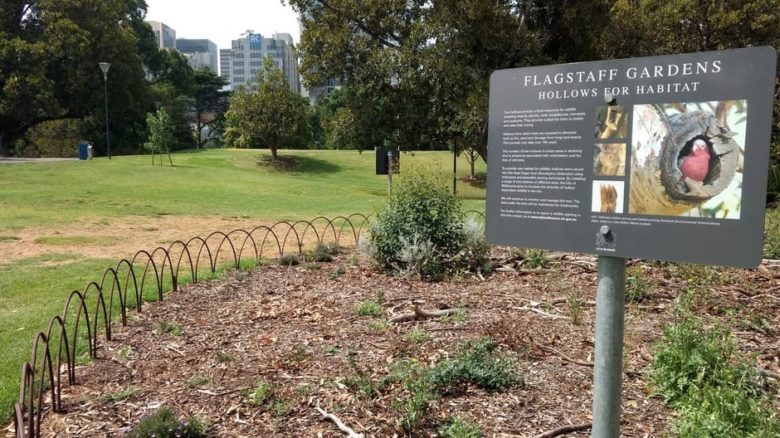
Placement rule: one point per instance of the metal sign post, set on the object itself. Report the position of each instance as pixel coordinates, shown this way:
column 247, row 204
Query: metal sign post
column 390, row 172
column 608, row 361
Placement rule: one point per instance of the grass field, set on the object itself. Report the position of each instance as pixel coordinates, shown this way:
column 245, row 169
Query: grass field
column 213, row 183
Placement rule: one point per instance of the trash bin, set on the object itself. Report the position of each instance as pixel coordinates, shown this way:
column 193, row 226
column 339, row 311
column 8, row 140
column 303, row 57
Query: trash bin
column 83, row 150
column 90, row 152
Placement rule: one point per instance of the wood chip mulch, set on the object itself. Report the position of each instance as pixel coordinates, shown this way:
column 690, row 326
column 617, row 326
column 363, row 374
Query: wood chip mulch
column 296, row 328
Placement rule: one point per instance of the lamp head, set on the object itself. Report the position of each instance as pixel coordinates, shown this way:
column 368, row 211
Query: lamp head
column 104, row 66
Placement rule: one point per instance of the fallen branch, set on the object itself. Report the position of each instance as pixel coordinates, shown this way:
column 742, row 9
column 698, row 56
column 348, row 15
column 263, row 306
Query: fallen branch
column 419, row 313
column 561, row 355
column 565, row 429
column 343, row 427
column 535, row 310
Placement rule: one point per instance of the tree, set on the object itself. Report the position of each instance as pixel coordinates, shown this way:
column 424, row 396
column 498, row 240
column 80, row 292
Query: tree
column 423, row 66
column 161, row 134
column 49, row 51
column 209, row 102
column 267, row 110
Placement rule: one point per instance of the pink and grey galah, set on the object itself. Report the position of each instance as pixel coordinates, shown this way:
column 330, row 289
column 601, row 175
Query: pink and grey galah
column 696, row 165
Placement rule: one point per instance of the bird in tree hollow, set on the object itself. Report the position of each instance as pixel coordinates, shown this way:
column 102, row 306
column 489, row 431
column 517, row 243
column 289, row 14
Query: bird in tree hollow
column 696, row 165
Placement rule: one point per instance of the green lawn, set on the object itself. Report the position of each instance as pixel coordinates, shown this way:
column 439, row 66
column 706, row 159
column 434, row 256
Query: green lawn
column 213, row 182
column 209, row 183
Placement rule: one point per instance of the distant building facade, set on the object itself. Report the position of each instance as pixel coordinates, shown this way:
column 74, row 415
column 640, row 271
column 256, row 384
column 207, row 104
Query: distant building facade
column 323, row 91
column 244, row 60
column 166, row 36
column 200, row 53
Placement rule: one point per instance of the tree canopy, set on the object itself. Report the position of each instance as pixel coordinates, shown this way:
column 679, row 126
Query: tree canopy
column 49, row 51
column 267, row 110
column 421, row 68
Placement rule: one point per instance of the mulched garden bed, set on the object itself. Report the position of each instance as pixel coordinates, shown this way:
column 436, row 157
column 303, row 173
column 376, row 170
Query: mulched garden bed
column 297, row 329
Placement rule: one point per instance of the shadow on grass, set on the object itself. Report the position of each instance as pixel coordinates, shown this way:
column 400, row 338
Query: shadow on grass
column 298, row 164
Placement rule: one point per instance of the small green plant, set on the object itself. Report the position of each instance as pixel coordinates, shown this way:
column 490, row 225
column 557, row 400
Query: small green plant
column 416, row 381
column 772, row 227
column 289, row 260
column 638, row 286
column 164, row 424
column 297, row 356
column 460, row 315
column 332, row 349
column 369, row 308
column 574, row 307
column 119, row 395
column 336, row 273
column 323, row 252
column 282, row 407
column 168, row 327
column 477, row 363
column 418, row 335
column 124, row 353
column 700, row 373
column 380, row 296
column 262, row 393
column 311, row 266
column 223, row 357
column 725, row 411
column 196, row 381
column 536, row 259
column 757, row 323
column 458, row 428
column 378, row 325
column 359, row 380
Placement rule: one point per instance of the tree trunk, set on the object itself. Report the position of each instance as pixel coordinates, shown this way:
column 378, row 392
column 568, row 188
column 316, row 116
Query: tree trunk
column 5, row 144
column 658, row 186
column 273, row 152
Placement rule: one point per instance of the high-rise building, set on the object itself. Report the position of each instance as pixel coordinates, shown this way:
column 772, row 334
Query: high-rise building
column 225, row 55
column 166, row 36
column 200, row 53
column 241, row 64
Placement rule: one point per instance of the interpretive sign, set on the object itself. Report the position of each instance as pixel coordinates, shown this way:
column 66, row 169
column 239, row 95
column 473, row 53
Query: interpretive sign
column 662, row 157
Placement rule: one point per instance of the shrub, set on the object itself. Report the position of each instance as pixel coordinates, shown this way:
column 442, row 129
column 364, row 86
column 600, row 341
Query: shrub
column 458, row 428
column 715, row 390
column 368, row 308
column 727, row 411
column 477, row 363
column 772, row 234
column 638, row 286
column 689, row 357
column 289, row 260
column 419, row 230
column 164, row 424
column 262, row 392
column 323, row 252
column 536, row 259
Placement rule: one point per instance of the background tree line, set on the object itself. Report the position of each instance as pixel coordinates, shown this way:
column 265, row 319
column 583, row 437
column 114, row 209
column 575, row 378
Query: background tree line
column 415, row 73
column 50, row 84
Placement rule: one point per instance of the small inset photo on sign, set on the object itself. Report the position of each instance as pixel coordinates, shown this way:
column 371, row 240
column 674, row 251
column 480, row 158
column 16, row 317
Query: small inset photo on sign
column 686, row 159
column 608, row 196
column 609, row 159
column 611, row 122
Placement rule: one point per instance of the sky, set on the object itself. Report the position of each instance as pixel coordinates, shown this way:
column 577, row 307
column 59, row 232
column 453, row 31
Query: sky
column 222, row 21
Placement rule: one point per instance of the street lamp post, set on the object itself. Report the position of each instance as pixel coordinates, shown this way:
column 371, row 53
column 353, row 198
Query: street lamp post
column 104, row 66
